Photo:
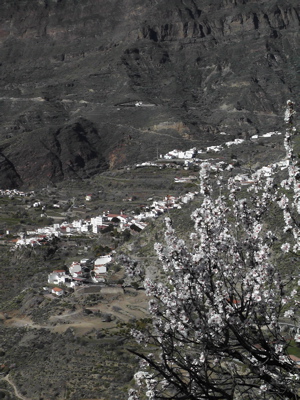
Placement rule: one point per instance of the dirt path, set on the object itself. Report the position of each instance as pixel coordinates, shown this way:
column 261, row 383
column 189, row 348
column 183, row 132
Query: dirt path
column 15, row 389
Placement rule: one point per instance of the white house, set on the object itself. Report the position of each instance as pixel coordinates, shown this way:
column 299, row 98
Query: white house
column 110, row 217
column 140, row 225
column 84, row 228
column 96, row 222
column 77, row 223
column 214, row 149
column 97, row 228
column 70, row 229
column 186, row 198
column 75, row 268
column 102, row 260
column 169, row 200
column 100, row 270
column 181, row 154
column 57, row 291
column 57, row 277
column 98, row 273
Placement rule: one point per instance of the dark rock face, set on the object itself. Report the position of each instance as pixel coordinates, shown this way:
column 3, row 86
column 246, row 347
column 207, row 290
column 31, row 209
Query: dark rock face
column 8, row 175
column 72, row 151
column 72, row 72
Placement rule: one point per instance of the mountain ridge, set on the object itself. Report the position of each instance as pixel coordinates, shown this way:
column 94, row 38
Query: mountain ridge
column 205, row 66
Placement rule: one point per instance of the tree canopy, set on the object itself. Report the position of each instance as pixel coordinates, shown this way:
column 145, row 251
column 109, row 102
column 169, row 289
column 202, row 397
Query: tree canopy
column 218, row 317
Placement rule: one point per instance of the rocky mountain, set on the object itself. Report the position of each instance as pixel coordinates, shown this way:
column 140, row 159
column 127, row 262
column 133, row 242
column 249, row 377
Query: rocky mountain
column 73, row 71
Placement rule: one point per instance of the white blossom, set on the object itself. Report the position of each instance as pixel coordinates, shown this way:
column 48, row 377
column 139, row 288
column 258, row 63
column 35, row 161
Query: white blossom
column 285, row 247
column 218, row 310
column 289, row 313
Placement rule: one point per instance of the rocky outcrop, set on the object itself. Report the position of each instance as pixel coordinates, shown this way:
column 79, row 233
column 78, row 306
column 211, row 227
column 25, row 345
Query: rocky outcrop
column 9, row 178
column 209, row 65
column 73, row 151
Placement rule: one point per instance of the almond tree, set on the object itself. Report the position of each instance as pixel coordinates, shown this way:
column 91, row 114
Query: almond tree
column 216, row 330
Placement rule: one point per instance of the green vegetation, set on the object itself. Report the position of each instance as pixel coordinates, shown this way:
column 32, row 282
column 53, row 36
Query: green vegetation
column 294, row 349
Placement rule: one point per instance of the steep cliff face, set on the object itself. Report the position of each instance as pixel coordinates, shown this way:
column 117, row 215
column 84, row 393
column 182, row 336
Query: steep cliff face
column 73, row 70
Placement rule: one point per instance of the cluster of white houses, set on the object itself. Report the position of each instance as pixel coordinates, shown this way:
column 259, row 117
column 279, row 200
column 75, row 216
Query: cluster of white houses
column 93, row 225
column 86, row 272
column 181, row 154
column 14, row 192
column 96, row 225
column 78, row 273
column 192, row 153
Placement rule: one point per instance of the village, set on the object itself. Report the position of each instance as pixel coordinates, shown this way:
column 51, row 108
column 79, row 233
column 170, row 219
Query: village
column 94, row 271
column 89, row 271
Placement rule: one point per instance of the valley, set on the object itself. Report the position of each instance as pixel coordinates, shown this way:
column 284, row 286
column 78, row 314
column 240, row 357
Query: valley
column 107, row 110
column 91, row 314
